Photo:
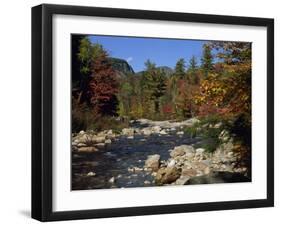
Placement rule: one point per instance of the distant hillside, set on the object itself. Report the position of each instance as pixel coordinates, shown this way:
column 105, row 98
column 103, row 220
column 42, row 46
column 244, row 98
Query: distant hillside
column 167, row 71
column 121, row 66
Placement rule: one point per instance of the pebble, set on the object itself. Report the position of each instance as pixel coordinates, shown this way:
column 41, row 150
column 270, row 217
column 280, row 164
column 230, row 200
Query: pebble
column 91, row 174
column 111, row 180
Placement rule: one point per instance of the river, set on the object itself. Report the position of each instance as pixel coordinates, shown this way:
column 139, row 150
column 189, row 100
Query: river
column 115, row 159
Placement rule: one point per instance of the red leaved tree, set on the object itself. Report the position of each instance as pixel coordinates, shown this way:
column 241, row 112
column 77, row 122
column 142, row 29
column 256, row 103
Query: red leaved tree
column 103, row 87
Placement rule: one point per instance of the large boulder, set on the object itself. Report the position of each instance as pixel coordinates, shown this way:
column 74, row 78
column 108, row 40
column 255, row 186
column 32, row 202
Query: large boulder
column 187, row 172
column 182, row 150
column 167, row 175
column 152, row 162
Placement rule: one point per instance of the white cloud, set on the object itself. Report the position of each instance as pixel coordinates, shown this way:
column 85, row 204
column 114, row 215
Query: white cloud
column 129, row 59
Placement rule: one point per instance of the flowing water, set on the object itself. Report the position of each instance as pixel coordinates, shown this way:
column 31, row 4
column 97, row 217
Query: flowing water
column 115, row 159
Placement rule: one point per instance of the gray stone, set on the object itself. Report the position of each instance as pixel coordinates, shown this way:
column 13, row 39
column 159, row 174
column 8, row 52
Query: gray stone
column 146, row 131
column 108, row 141
column 200, row 150
column 111, row 180
column 182, row 150
column 172, row 163
column 182, row 180
column 81, row 145
column 163, row 132
column 91, row 174
column 152, row 162
column 128, row 131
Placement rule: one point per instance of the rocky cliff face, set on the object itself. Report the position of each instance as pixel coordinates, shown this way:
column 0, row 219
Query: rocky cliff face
column 121, row 66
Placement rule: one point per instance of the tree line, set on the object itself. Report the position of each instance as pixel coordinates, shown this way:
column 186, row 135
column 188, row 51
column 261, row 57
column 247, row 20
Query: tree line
column 220, row 85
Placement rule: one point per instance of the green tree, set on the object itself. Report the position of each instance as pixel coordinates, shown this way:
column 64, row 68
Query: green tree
column 124, row 96
column 193, row 71
column 207, row 59
column 87, row 53
column 180, row 69
column 154, row 83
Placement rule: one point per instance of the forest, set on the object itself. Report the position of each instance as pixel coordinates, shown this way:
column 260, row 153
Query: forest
column 220, row 88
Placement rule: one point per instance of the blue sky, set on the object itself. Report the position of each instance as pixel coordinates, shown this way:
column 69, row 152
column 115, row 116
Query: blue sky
column 163, row 52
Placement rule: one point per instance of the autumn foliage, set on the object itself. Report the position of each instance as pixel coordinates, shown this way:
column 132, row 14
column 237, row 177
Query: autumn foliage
column 103, row 87
column 220, row 86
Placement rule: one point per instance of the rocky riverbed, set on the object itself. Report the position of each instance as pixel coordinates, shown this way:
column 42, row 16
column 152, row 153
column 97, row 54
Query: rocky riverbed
column 150, row 153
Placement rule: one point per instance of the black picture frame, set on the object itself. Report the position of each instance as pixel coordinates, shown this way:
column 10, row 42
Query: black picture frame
column 42, row 111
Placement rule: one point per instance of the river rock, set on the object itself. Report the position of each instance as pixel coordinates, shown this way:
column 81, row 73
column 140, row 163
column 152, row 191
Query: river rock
column 91, row 174
column 200, row 150
column 87, row 149
column 98, row 139
column 167, row 175
column 152, row 162
column 182, row 150
column 200, row 166
column 180, row 133
column 81, row 145
column 100, row 145
column 177, row 152
column 135, row 169
column 187, row 172
column 130, row 137
column 107, row 141
column 128, row 131
column 156, row 129
column 146, row 131
column 109, row 132
column 84, row 138
column 182, row 180
column 172, row 163
column 111, row 180
column 163, row 132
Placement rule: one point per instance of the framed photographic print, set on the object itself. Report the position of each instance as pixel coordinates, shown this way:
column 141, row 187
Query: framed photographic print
column 145, row 112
